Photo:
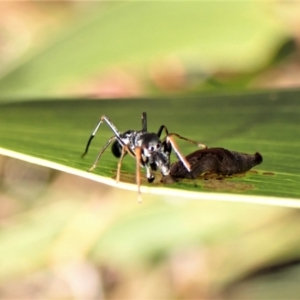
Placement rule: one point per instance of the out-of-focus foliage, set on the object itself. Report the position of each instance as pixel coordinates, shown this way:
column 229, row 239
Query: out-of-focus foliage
column 115, row 49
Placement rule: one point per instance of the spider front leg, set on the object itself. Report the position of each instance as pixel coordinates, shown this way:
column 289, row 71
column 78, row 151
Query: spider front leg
column 171, row 144
column 124, row 151
column 141, row 163
column 150, row 176
column 181, row 157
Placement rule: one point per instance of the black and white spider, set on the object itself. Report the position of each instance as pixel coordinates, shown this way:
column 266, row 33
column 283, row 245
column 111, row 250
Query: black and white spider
column 149, row 150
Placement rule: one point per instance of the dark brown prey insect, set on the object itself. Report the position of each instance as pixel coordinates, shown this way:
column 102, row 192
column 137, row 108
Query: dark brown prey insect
column 218, row 161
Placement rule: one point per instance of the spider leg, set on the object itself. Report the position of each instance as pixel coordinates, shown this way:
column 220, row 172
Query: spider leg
column 180, row 156
column 164, row 128
column 138, row 156
column 111, row 126
column 144, row 121
column 166, row 146
column 150, row 176
column 200, row 145
column 124, row 151
column 169, row 143
column 101, row 152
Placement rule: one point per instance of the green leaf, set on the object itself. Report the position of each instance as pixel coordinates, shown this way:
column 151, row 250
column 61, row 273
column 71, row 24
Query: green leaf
column 264, row 122
column 128, row 237
column 230, row 35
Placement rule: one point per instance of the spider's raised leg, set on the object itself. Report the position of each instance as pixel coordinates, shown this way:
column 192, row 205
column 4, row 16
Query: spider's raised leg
column 111, row 126
column 144, row 121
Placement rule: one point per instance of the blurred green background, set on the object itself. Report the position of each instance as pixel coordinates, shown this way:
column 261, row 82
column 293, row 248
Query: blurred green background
column 65, row 237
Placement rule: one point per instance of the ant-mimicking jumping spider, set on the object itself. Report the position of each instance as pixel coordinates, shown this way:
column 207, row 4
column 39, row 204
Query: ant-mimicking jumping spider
column 149, row 150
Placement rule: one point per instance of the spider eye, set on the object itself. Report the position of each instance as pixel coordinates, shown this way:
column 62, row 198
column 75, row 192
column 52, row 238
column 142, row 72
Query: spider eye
column 154, row 146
